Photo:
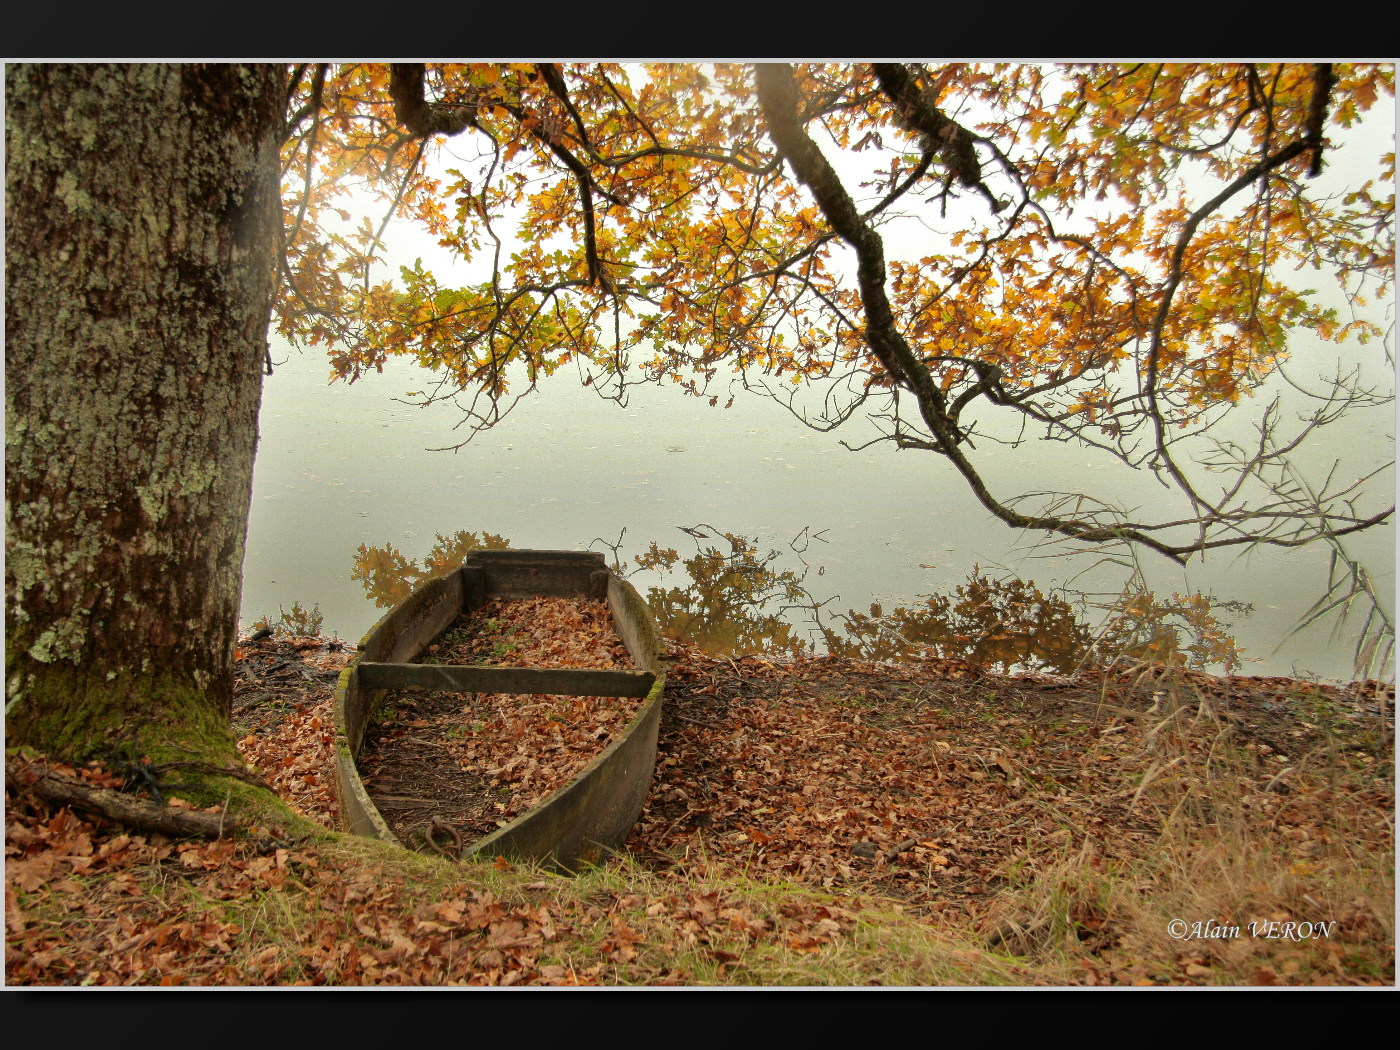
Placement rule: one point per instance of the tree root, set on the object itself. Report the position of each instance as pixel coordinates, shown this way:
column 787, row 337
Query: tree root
column 64, row 790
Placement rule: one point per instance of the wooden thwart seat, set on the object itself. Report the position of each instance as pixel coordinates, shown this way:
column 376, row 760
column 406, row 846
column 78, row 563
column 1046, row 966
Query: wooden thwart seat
column 458, row 678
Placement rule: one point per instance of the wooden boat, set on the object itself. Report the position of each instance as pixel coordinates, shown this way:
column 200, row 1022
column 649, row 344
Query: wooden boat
column 595, row 811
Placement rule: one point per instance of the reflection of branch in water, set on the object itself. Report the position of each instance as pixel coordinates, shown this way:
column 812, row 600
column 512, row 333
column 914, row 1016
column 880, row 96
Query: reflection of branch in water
column 1184, row 629
column 734, row 603
column 887, row 629
column 1010, row 624
column 388, row 577
column 992, row 623
column 741, row 602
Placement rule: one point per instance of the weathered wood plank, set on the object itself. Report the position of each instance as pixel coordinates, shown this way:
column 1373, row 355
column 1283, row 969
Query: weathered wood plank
column 514, row 574
column 473, row 587
column 404, row 631
column 457, row 678
column 640, row 640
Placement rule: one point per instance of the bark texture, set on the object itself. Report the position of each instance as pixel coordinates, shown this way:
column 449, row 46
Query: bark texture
column 142, row 213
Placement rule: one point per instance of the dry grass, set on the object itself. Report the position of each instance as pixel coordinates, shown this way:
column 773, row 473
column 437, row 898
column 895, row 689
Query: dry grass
column 346, row 911
column 1261, row 875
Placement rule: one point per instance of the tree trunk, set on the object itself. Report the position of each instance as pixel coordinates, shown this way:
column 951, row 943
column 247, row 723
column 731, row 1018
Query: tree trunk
column 142, row 212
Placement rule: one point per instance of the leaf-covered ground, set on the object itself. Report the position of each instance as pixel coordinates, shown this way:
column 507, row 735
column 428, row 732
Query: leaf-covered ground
column 816, row 822
column 939, row 784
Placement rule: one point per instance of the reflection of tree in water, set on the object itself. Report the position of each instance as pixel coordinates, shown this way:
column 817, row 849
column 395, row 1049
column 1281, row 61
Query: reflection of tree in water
column 739, row 601
column 734, row 603
column 1184, row 629
column 992, row 623
column 388, row 577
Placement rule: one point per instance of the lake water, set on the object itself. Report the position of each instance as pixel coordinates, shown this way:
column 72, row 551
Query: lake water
column 340, row 466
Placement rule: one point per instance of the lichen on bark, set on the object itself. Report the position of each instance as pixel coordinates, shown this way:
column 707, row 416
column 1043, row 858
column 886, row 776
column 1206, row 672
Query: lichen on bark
column 142, row 221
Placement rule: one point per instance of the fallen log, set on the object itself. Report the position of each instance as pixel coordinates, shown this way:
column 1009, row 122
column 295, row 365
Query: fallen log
column 64, row 790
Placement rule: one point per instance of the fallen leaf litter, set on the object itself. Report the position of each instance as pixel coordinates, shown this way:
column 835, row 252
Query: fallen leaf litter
column 476, row 761
column 282, row 713
column 81, row 906
column 937, row 784
column 932, row 783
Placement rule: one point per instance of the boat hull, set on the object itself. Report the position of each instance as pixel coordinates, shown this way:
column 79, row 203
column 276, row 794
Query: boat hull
column 592, row 814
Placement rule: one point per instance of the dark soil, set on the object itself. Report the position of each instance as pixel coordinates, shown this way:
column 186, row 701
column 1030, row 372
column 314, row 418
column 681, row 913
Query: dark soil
column 275, row 677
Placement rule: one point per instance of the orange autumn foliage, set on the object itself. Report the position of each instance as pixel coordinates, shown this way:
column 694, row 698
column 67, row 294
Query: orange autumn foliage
column 1104, row 251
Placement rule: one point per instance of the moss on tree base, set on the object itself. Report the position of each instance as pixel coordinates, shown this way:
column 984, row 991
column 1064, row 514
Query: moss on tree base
column 136, row 724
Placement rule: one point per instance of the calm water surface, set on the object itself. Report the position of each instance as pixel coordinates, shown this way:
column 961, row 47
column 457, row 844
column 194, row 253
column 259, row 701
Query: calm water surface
column 340, row 466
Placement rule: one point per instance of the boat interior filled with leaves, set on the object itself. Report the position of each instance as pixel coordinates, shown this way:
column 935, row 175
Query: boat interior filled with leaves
column 508, row 708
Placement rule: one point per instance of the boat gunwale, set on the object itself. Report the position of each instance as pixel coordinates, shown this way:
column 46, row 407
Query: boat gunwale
column 568, row 809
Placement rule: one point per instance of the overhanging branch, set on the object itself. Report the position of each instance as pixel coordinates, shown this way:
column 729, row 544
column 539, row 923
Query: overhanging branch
column 413, row 110
column 1283, row 526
